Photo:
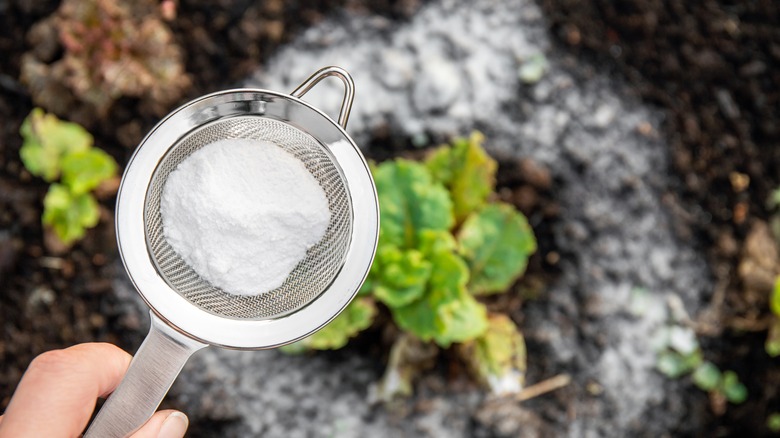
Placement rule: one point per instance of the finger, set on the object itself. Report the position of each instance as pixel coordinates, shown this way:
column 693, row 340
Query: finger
column 58, row 391
column 164, row 424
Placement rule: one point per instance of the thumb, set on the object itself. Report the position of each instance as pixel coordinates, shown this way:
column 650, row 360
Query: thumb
column 164, row 424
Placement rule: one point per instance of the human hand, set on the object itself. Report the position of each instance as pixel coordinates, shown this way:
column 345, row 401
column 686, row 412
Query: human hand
column 58, row 392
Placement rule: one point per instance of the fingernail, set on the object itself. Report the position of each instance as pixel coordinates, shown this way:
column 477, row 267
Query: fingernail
column 174, row 426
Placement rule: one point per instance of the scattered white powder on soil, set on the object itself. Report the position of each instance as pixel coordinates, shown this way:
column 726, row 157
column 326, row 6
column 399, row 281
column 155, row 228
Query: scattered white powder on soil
column 242, row 213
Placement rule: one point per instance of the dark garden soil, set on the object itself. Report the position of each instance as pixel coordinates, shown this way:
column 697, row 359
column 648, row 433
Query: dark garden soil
column 714, row 67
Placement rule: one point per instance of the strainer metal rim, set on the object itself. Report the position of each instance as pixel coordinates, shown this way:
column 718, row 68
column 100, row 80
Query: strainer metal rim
column 199, row 324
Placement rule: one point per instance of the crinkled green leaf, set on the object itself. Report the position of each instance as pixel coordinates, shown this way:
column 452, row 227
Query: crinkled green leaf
column 497, row 358
column 496, row 243
column 421, row 317
column 410, row 201
column 357, row 317
column 706, row 376
column 450, row 272
column 83, row 171
column 446, row 313
column 774, row 302
column 47, row 140
column 772, row 344
column 732, row 388
column 467, row 172
column 402, row 275
column 443, row 319
column 68, row 214
column 432, row 242
column 460, row 320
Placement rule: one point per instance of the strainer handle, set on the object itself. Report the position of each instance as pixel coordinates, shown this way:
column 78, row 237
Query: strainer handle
column 349, row 89
column 149, row 377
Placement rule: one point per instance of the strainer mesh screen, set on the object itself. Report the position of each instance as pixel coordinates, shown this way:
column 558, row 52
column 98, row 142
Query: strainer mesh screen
column 312, row 275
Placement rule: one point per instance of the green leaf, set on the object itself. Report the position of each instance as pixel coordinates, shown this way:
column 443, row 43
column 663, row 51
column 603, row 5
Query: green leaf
column 498, row 357
column 496, row 243
column 423, row 317
column 47, row 140
column 772, row 344
column 418, row 318
column 773, row 422
column 69, row 214
column 402, row 275
column 671, row 364
column 734, row 391
column 774, row 302
column 460, row 320
column 467, row 172
column 357, row 317
column 433, row 242
column 674, row 365
column 410, row 202
column 85, row 170
column 446, row 313
column 706, row 376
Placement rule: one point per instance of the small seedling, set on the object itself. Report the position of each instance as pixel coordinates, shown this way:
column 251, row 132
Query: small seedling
column 57, row 150
column 706, row 376
column 681, row 355
column 732, row 388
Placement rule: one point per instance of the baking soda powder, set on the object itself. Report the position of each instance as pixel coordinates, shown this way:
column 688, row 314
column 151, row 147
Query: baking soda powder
column 242, row 213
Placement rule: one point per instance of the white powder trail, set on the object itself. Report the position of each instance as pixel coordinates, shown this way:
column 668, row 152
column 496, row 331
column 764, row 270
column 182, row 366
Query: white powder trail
column 242, row 213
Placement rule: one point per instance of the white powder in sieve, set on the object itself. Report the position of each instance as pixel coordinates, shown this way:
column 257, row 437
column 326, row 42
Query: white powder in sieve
column 242, row 214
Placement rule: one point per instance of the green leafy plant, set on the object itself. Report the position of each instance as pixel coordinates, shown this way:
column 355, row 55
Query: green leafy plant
column 110, row 49
column 442, row 244
column 57, row 150
column 681, row 355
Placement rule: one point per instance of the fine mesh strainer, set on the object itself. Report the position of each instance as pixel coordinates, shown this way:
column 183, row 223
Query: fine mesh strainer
column 187, row 312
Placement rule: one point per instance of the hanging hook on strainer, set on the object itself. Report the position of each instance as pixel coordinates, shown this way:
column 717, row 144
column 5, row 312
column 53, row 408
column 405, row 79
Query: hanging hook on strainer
column 187, row 312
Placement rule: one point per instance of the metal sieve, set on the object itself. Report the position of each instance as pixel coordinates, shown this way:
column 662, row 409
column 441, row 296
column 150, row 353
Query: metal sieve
column 311, row 276
column 187, row 312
